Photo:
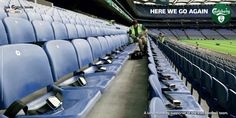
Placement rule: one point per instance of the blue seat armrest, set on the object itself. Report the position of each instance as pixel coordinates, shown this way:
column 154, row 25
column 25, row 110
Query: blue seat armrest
column 54, row 88
column 79, row 92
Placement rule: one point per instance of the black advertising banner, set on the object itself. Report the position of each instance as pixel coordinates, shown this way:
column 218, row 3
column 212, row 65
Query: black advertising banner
column 193, row 11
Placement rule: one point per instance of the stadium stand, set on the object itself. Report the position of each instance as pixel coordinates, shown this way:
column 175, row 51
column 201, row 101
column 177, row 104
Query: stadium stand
column 179, row 33
column 97, row 58
column 211, row 34
column 228, row 34
column 211, row 86
column 57, row 63
column 172, row 88
column 194, row 34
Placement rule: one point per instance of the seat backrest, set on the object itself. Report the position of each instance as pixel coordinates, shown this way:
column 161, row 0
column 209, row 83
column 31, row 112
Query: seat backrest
column 110, row 43
column 206, row 81
column 212, row 69
column 95, row 47
column 152, row 68
column 3, row 34
column 84, row 53
column 60, row 31
column 220, row 92
column 24, row 69
column 65, row 20
column 88, row 31
column 47, row 18
column 157, row 106
column 100, row 31
column 62, row 57
column 19, row 30
column 104, row 44
column 232, row 102
column 34, row 16
column 226, row 68
column 43, row 30
column 220, row 75
column 156, row 86
column 18, row 15
column 231, row 80
column 93, row 31
column 196, row 73
column 72, row 31
column 2, row 15
column 56, row 18
column 72, row 21
column 81, row 31
column 206, row 66
column 115, row 41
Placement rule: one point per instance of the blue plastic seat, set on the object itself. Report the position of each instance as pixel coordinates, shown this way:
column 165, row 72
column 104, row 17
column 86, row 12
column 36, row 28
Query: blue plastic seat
column 33, row 78
column 2, row 15
column 3, row 34
column 72, row 21
column 232, row 103
column 33, row 16
column 43, row 31
column 205, row 90
column 98, row 53
column 65, row 20
column 85, row 59
column 19, row 30
column 219, row 95
column 112, row 47
column 72, row 31
column 181, row 88
column 157, row 108
column 47, row 18
column 81, row 31
column 60, row 31
column 59, row 52
column 18, row 15
column 188, row 102
column 212, row 69
column 206, row 67
column 196, row 78
column 93, row 30
column 220, row 75
column 206, row 85
column 174, row 77
column 106, row 50
column 88, row 31
column 231, row 80
column 56, row 18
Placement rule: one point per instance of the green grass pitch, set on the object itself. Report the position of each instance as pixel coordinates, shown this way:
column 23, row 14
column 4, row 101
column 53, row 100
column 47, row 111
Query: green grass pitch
column 223, row 46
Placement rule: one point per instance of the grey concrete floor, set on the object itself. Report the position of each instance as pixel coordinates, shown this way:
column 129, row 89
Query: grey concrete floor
column 127, row 95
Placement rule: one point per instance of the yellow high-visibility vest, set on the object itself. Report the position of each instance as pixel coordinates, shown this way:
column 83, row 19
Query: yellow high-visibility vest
column 139, row 29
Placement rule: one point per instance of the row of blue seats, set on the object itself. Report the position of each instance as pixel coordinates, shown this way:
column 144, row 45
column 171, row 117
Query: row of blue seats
column 169, row 96
column 64, row 77
column 212, row 88
column 32, row 11
column 203, row 61
column 224, row 74
column 221, row 61
column 27, row 69
column 31, row 16
column 18, row 30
